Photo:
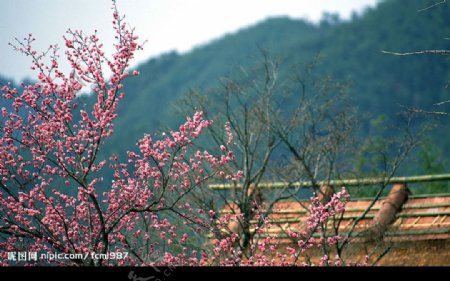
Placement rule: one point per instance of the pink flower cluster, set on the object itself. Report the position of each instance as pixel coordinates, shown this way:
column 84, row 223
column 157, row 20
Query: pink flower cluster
column 51, row 174
column 267, row 248
column 50, row 169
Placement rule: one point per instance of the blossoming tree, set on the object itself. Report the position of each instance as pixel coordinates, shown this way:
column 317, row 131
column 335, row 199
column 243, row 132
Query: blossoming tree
column 52, row 177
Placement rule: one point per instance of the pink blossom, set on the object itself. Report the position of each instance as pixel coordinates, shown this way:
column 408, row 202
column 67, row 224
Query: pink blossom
column 55, row 146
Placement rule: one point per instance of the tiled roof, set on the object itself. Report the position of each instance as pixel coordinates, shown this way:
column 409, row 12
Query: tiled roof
column 421, row 218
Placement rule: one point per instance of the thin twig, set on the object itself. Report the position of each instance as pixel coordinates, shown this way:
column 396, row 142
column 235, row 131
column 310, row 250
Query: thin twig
column 442, row 102
column 418, row 110
column 423, row 52
column 432, row 6
column 382, row 255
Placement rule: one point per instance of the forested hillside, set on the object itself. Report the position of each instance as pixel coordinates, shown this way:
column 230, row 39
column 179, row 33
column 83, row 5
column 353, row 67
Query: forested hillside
column 382, row 83
column 349, row 50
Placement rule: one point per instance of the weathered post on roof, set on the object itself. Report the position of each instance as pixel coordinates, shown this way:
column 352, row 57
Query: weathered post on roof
column 234, row 226
column 389, row 209
column 326, row 191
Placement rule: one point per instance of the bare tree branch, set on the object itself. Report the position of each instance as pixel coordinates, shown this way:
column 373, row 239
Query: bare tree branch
column 442, row 102
column 432, row 6
column 421, row 52
column 418, row 110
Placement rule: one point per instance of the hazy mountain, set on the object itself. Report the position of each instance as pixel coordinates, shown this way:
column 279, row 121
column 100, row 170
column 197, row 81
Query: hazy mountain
column 350, row 50
column 381, row 82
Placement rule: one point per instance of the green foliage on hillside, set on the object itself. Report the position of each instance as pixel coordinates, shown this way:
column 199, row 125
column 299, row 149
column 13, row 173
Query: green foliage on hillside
column 381, row 83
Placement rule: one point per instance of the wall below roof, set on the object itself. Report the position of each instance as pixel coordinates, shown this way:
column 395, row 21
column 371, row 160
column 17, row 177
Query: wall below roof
column 407, row 253
column 402, row 253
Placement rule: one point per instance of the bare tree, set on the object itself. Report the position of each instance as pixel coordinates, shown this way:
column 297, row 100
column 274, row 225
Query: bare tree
column 290, row 124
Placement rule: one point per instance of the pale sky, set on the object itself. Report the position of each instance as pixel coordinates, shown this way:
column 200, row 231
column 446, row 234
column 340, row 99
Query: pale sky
column 167, row 24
